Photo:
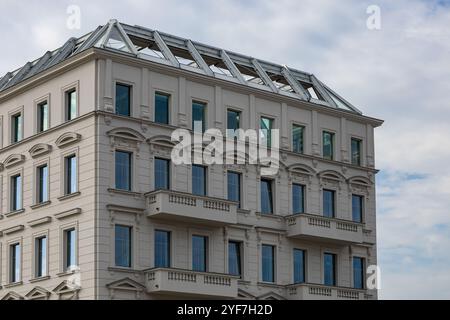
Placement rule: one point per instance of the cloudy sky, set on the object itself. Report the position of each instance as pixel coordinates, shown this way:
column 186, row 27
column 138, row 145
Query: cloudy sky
column 400, row 73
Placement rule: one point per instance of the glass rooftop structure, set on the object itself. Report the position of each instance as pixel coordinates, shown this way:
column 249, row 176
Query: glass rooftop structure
column 178, row 52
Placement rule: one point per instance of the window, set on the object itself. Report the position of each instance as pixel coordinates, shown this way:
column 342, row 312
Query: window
column 329, row 267
column 70, row 239
column 266, row 196
column 198, row 180
column 297, row 138
column 162, row 249
column 233, row 119
column 70, row 164
column 298, row 198
column 268, row 263
column 16, row 128
column 41, row 257
column 328, row 145
column 266, row 126
column 357, row 208
column 123, row 99
column 42, row 116
column 199, row 115
column 16, row 192
column 234, row 258
column 162, row 108
column 356, row 151
column 358, row 273
column 299, row 266
column 162, row 174
column 199, row 255
column 328, row 203
column 123, row 246
column 123, row 170
column 15, row 266
column 42, row 183
column 234, row 187
column 71, row 104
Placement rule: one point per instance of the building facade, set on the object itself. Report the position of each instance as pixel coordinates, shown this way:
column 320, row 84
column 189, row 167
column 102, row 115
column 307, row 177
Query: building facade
column 93, row 207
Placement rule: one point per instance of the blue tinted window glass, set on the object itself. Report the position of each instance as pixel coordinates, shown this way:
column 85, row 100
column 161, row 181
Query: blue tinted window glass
column 266, row 196
column 329, row 269
column 123, row 246
column 266, row 126
column 298, row 197
column 162, row 174
column 198, row 180
column 233, row 120
column 199, row 244
column 198, row 115
column 328, row 203
column 234, row 258
column 327, row 145
column 358, row 273
column 123, row 170
column 123, row 99
column 268, row 263
column 299, row 266
column 161, row 108
column 357, row 208
column 356, row 151
column 162, row 249
column 234, row 187
column 297, row 138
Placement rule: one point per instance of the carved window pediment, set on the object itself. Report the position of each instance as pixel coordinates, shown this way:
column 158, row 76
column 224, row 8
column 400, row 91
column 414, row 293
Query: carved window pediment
column 38, row 293
column 126, row 284
column 13, row 160
column 67, row 291
column 39, row 150
column 126, row 134
column 359, row 185
column 67, row 138
column 271, row 296
column 12, row 296
column 331, row 175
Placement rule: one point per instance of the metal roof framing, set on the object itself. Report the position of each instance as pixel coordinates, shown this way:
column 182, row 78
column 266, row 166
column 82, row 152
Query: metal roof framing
column 200, row 53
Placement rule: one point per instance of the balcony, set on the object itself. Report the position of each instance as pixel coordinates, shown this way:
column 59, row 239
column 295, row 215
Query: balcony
column 190, row 283
column 308, row 291
column 174, row 205
column 308, row 226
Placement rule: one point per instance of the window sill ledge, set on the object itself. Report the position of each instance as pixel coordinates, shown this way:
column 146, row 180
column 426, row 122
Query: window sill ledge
column 125, row 192
column 40, row 205
column 13, row 213
column 69, row 196
column 123, row 269
column 14, row 284
column 244, row 282
column 269, row 284
column 39, row 279
column 260, row 215
column 66, row 273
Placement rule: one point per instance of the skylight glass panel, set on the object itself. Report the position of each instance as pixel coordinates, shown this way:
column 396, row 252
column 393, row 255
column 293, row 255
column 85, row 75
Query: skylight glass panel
column 116, row 41
column 339, row 102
